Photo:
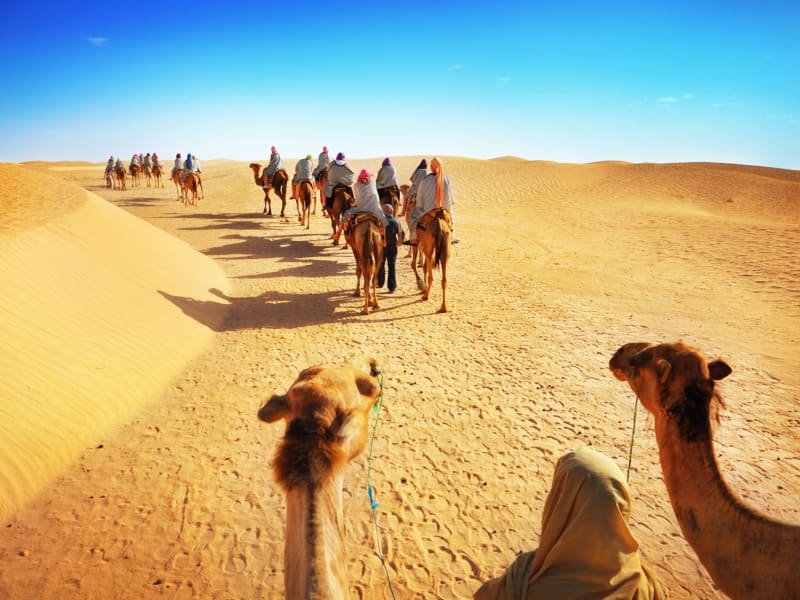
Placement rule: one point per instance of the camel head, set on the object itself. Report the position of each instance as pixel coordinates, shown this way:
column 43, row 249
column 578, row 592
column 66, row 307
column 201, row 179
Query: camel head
column 256, row 168
column 327, row 418
column 673, row 379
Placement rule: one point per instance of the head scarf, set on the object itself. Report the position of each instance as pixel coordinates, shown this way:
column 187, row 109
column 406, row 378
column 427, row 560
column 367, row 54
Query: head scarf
column 586, row 549
column 273, row 150
column 436, row 167
column 387, row 210
column 325, row 149
column 308, row 157
column 340, row 156
column 364, row 175
column 423, row 164
column 386, row 162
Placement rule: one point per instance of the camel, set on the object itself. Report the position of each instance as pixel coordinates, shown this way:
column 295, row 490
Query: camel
column 433, row 241
column 364, row 237
column 279, row 181
column 191, row 185
column 135, row 171
column 747, row 554
column 305, row 194
column 390, row 196
column 158, row 171
column 121, row 176
column 321, row 179
column 342, row 200
column 176, row 179
column 327, row 419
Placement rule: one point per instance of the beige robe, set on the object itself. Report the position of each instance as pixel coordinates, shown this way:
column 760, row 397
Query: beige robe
column 586, row 549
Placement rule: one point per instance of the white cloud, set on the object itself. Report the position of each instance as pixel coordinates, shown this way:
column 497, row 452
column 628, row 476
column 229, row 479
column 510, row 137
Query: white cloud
column 668, row 100
column 503, row 80
column 97, row 41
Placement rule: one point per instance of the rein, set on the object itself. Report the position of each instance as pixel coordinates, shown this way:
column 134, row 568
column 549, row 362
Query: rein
column 370, row 490
column 633, row 432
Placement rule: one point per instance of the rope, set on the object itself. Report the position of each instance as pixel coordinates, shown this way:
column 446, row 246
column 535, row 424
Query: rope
column 633, row 432
column 370, row 491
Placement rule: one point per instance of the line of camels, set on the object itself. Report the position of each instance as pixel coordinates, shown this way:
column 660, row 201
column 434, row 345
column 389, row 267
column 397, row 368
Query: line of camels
column 117, row 177
column 326, row 410
column 189, row 189
column 434, row 234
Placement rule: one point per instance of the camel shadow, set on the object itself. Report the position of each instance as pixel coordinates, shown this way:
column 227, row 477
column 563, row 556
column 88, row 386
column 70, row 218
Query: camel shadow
column 270, row 310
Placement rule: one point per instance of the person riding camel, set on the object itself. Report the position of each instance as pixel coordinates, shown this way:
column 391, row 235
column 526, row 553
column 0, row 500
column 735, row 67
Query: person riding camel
column 275, row 165
column 409, row 202
column 387, row 182
column 109, row 164
column 148, row 162
column 118, row 163
column 339, row 175
column 155, row 160
column 178, row 164
column 366, row 200
column 434, row 192
column 303, row 171
column 134, row 162
column 323, row 162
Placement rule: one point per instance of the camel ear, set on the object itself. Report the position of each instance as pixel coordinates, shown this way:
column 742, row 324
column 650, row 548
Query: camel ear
column 276, row 408
column 719, row 369
column 663, row 369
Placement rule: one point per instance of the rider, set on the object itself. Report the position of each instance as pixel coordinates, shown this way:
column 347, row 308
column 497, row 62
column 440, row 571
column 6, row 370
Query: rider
column 302, row 172
column 323, row 162
column 386, row 181
column 178, row 164
column 118, row 164
column 418, row 175
column 155, row 160
column 109, row 164
column 339, row 174
column 275, row 165
column 434, row 192
column 134, row 161
column 147, row 161
column 192, row 165
column 365, row 200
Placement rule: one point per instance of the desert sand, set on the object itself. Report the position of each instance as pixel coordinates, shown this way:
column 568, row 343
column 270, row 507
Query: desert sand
column 141, row 336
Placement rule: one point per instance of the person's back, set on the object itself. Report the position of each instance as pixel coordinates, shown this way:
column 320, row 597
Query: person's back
column 366, row 200
column 323, row 161
column 585, row 548
column 303, row 170
column 339, row 173
column 134, row 161
column 387, row 176
column 110, row 164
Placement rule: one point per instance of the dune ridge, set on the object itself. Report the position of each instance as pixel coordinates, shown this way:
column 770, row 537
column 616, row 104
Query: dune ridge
column 88, row 338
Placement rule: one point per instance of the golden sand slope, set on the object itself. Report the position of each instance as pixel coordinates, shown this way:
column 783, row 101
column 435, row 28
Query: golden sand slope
column 88, row 336
column 557, row 266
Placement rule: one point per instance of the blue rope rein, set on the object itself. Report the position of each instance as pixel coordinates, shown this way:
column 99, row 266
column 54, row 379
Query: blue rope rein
column 370, row 490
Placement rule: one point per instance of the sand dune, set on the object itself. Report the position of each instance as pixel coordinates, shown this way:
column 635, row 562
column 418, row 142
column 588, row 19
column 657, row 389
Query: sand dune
column 111, row 375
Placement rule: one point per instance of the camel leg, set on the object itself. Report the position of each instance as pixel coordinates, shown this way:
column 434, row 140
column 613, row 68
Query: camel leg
column 267, row 203
column 428, row 277
column 443, row 266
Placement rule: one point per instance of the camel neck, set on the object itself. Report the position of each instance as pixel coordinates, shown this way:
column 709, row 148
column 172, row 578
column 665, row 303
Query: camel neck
column 314, row 554
column 734, row 543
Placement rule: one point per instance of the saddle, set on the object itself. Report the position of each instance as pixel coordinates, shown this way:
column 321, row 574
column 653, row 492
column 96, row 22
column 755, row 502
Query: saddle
column 358, row 218
column 432, row 215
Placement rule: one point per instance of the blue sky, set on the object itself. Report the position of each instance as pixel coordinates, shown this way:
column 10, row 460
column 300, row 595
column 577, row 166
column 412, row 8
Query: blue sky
column 570, row 81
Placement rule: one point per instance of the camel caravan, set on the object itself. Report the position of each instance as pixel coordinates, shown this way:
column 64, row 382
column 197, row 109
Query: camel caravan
column 587, row 553
column 350, row 207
